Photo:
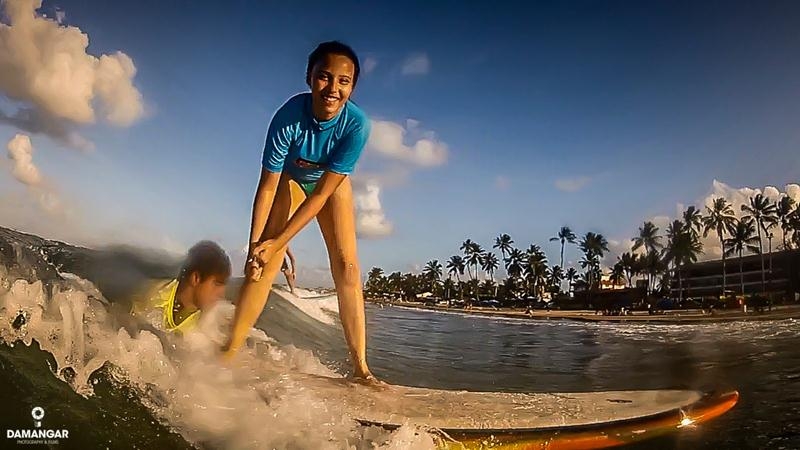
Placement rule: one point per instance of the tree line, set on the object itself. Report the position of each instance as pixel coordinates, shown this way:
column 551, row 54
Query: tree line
column 655, row 258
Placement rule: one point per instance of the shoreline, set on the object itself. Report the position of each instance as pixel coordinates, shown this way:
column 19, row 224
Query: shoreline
column 781, row 312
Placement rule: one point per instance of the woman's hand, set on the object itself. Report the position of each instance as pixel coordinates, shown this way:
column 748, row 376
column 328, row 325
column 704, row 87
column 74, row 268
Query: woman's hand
column 265, row 251
column 253, row 267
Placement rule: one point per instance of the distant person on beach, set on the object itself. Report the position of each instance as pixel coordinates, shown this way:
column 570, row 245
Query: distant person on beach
column 312, row 146
column 289, row 269
column 175, row 305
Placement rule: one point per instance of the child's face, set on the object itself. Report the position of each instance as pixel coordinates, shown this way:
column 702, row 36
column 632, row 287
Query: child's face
column 208, row 291
column 331, row 84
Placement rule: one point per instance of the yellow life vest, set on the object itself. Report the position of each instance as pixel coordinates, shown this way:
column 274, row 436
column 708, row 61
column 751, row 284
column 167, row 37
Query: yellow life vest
column 164, row 300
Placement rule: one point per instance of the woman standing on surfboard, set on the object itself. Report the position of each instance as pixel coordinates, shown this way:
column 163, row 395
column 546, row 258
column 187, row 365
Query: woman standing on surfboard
column 312, row 146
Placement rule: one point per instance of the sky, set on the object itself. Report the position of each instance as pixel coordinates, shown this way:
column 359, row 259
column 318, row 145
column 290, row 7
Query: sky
column 143, row 122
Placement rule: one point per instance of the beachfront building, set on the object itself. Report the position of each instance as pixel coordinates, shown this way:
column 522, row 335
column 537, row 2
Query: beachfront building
column 607, row 283
column 781, row 277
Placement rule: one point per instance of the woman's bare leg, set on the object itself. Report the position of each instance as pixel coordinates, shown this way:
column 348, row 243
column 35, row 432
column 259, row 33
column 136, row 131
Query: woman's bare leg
column 253, row 294
column 290, row 277
column 337, row 223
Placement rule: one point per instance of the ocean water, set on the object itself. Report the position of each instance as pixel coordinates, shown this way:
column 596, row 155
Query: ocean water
column 61, row 349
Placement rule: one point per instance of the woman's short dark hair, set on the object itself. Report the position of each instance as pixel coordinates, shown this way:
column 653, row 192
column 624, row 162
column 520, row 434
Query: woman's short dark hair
column 332, row 48
column 207, row 259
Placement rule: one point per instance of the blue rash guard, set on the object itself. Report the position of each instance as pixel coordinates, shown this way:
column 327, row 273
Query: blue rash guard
column 305, row 147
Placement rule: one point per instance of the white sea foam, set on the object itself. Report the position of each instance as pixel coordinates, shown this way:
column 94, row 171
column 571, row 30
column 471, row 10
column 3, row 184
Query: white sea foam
column 246, row 405
column 322, row 307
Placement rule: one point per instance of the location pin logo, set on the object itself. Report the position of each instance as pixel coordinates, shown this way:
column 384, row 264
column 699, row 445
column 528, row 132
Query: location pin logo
column 38, row 414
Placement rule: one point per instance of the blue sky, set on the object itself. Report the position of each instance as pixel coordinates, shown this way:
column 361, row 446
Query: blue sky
column 596, row 115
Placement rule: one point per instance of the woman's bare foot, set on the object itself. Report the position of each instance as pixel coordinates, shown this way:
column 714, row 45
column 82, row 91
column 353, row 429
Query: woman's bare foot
column 227, row 355
column 368, row 379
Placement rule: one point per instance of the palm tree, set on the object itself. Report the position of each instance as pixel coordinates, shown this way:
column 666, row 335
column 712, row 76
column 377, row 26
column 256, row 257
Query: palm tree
column 648, row 238
column 593, row 246
column 570, row 276
column 594, row 243
column 514, row 263
column 504, row 243
column 683, row 248
column 693, row 220
column 795, row 221
column 742, row 238
column 652, row 264
column 536, row 268
column 488, row 286
column 474, row 257
column 721, row 219
column 468, row 247
column 763, row 212
column 617, row 275
column 783, row 211
column 394, row 282
column 582, row 281
column 455, row 266
column 564, row 235
column 555, row 277
column 510, row 287
column 629, row 263
column 411, row 285
column 433, row 272
column 448, row 287
column 374, row 280
column 489, row 264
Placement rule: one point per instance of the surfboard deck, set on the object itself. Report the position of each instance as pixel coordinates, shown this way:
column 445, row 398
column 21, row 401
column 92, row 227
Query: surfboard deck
column 516, row 421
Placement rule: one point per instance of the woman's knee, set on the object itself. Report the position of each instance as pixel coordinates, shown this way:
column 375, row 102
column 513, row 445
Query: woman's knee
column 346, row 270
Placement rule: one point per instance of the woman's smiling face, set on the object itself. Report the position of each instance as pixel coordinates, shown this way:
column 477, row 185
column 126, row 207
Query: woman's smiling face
column 331, row 83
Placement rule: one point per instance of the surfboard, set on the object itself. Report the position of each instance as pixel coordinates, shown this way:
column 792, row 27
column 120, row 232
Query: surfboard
column 517, row 421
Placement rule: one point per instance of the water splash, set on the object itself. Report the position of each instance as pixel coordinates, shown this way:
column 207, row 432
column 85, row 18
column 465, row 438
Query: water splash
column 251, row 404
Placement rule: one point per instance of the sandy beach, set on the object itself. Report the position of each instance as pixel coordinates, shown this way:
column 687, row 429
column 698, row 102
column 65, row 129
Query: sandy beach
column 669, row 317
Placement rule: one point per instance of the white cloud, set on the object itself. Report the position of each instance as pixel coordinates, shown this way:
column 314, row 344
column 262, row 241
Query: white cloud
column 388, row 139
column 793, row 191
column 502, row 183
column 416, row 64
column 369, row 64
column 49, row 202
column 738, row 197
column 45, row 67
column 408, row 147
column 39, row 209
column 21, row 153
column 662, row 222
column 44, row 213
column 392, row 176
column 572, row 184
column 772, row 193
column 371, row 221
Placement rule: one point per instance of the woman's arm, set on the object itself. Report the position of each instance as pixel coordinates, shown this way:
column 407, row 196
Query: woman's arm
column 307, row 210
column 262, row 204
